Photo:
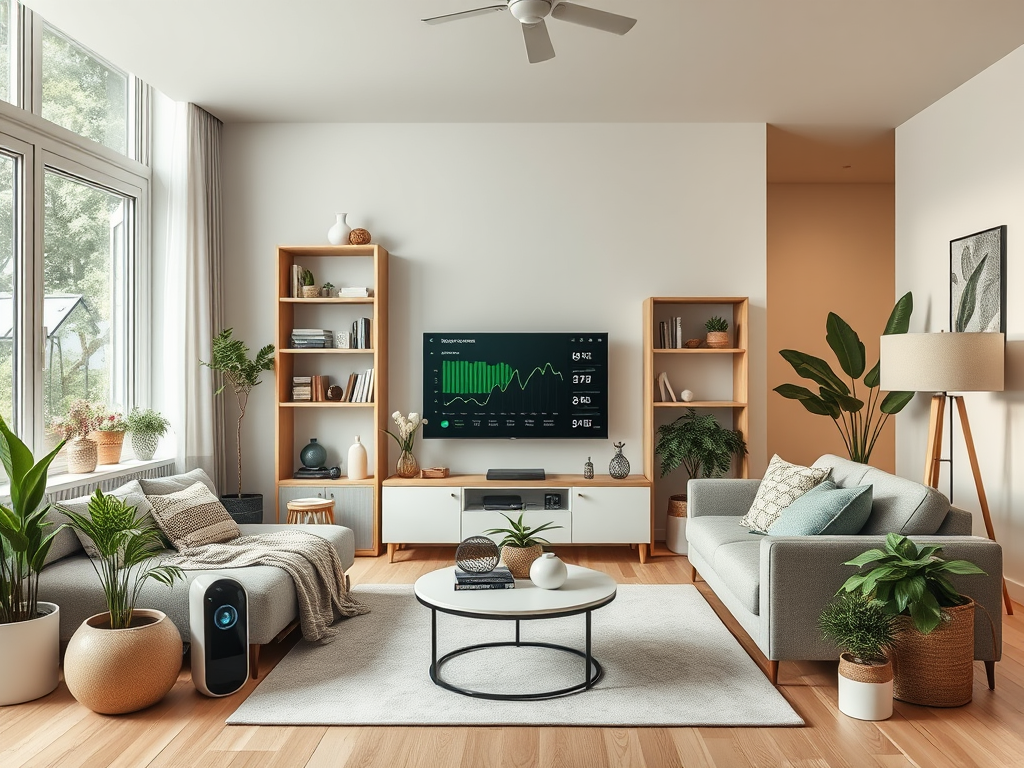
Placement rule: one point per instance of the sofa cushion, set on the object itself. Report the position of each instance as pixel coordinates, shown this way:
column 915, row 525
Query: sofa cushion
column 161, row 486
column 65, row 542
column 193, row 517
column 826, row 510
column 738, row 565
column 131, row 493
column 707, row 534
column 783, row 484
column 898, row 505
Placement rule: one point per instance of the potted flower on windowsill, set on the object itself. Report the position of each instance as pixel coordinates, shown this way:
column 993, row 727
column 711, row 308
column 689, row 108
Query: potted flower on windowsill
column 521, row 545
column 29, row 628
column 108, row 435
column 74, row 428
column 146, row 427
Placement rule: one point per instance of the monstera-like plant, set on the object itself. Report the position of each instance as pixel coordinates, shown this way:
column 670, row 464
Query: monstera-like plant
column 859, row 415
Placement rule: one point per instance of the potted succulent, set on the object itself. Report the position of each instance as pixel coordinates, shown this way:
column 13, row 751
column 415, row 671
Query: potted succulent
column 126, row 658
column 717, row 338
column 146, row 427
column 309, row 289
column 108, row 435
column 74, row 428
column 29, row 628
column 242, row 374
column 407, row 465
column 933, row 657
column 521, row 545
column 704, row 448
column 865, row 631
column 326, row 290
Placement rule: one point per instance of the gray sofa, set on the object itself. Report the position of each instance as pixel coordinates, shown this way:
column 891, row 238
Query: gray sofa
column 70, row 582
column 776, row 586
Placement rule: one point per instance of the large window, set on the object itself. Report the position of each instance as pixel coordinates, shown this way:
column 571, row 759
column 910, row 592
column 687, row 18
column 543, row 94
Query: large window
column 8, row 306
column 8, row 50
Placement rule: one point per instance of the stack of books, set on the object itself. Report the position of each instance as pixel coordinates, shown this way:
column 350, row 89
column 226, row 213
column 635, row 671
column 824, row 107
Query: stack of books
column 359, row 388
column 671, row 333
column 302, row 389
column 354, row 292
column 312, row 338
column 499, row 578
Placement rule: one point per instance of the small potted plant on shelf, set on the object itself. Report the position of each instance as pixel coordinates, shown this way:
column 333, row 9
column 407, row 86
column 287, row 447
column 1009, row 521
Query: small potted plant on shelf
column 326, row 290
column 717, row 338
column 146, row 427
column 241, row 374
column 704, row 448
column 309, row 289
column 933, row 656
column 521, row 545
column 865, row 631
column 108, row 435
column 29, row 628
column 126, row 658
column 74, row 428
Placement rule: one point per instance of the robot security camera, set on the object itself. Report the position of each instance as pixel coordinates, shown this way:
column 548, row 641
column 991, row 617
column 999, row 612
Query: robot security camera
column 219, row 623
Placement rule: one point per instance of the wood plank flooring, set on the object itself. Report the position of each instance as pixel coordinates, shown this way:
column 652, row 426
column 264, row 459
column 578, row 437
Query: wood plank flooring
column 187, row 729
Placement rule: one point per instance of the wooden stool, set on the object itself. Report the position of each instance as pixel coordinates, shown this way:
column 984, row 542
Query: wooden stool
column 311, row 511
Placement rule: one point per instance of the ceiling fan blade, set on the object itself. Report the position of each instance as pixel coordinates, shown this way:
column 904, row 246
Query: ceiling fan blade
column 538, row 42
column 464, row 14
column 593, row 18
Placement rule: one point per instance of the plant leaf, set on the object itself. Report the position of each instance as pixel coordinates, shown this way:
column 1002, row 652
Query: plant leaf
column 962, row 567
column 846, row 402
column 846, row 345
column 969, row 297
column 808, row 399
column 871, row 556
column 899, row 318
column 894, row 402
column 815, row 369
column 926, row 613
column 874, row 376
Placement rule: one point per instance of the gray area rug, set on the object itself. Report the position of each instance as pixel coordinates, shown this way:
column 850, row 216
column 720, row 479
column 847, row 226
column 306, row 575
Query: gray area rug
column 668, row 661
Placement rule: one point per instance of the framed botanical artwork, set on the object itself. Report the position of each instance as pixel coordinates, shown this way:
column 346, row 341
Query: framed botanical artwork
column 977, row 282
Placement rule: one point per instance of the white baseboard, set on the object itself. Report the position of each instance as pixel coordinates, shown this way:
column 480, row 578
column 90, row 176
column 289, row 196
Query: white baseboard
column 1016, row 590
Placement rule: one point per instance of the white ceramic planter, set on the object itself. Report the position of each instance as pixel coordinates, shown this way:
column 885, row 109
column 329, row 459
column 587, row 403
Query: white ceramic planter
column 675, row 534
column 31, row 656
column 548, row 572
column 865, row 700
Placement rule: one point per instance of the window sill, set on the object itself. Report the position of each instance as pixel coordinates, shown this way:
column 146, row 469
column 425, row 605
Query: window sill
column 65, row 481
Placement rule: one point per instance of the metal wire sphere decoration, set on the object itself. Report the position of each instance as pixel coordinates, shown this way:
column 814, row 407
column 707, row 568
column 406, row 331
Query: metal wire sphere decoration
column 477, row 554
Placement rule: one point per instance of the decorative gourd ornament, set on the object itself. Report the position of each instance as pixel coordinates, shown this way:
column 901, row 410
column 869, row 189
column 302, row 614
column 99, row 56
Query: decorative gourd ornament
column 359, row 236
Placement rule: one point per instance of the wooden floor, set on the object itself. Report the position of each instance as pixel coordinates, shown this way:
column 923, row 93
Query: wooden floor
column 187, row 729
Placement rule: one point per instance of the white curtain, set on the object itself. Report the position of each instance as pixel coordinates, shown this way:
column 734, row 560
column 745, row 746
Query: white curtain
column 193, row 292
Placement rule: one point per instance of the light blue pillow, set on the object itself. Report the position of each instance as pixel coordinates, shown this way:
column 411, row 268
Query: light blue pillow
column 825, row 510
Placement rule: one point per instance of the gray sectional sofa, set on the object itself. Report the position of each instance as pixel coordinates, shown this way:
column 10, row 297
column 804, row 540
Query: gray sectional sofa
column 776, row 586
column 70, row 582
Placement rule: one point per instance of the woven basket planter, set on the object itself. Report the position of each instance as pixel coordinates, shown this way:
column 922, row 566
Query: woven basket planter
column 717, row 339
column 82, row 456
column 519, row 559
column 936, row 670
column 108, row 446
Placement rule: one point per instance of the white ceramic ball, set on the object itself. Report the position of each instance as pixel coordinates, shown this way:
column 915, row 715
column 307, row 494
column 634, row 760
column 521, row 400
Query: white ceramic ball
column 548, row 572
column 686, row 395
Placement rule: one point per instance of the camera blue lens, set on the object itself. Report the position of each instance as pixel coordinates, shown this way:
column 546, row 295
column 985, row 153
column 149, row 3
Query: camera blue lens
column 225, row 617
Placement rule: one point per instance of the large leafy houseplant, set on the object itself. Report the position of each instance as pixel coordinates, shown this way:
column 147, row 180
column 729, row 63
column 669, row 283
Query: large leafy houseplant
column 910, row 581
column 242, row 374
column 859, row 416
column 702, row 446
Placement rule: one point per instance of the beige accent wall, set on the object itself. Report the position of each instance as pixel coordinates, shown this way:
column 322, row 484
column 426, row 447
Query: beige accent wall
column 831, row 247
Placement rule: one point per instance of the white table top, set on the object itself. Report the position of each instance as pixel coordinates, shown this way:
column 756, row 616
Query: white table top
column 583, row 588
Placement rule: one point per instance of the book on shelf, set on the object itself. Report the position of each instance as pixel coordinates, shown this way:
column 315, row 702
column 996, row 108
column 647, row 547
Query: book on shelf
column 296, row 276
column 679, row 333
column 349, row 388
column 493, row 585
column 361, row 333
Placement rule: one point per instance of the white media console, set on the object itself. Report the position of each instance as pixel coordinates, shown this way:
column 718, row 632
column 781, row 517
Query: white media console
column 448, row 510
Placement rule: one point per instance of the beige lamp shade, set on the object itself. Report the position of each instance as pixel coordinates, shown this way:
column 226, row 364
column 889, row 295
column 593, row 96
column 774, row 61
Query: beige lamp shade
column 942, row 362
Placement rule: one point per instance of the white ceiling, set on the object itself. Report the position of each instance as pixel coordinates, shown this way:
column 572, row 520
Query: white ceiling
column 866, row 63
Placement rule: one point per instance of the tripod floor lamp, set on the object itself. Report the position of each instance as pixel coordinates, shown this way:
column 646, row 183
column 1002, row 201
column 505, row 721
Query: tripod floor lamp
column 943, row 363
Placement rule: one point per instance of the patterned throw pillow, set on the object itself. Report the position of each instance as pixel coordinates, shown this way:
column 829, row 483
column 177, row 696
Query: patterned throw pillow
column 131, row 493
column 783, row 484
column 193, row 517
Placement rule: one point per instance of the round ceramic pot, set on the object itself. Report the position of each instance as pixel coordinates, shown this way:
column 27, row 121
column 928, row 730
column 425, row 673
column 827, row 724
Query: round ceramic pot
column 113, row 671
column 717, row 339
column 865, row 690
column 108, row 446
column 82, row 456
column 548, row 572
column 144, row 446
column 31, row 650
column 313, row 455
column 519, row 559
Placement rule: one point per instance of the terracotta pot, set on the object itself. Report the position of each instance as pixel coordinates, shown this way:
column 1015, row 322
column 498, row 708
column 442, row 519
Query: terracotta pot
column 936, row 670
column 31, row 654
column 865, row 690
column 113, row 671
column 108, row 446
column 717, row 339
column 519, row 559
column 82, row 456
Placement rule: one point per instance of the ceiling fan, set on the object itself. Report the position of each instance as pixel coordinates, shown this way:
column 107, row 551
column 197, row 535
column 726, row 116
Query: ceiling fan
column 531, row 14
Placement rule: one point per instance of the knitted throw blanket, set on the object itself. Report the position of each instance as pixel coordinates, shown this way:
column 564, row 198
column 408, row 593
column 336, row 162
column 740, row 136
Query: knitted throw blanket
column 310, row 560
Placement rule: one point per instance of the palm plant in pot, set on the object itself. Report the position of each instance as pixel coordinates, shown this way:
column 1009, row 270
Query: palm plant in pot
column 126, row 658
column 146, row 427
column 241, row 374
column 933, row 656
column 520, row 544
column 29, row 628
column 865, row 631
column 704, row 448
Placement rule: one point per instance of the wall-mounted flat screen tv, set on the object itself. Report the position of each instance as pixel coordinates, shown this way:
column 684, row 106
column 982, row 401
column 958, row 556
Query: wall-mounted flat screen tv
column 515, row 385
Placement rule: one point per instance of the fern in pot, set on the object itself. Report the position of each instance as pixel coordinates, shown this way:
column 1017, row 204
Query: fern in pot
column 702, row 447
column 126, row 658
column 146, row 427
column 520, row 544
column 29, row 627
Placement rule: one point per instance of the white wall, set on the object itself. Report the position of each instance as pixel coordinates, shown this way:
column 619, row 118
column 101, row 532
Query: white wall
column 960, row 169
column 520, row 227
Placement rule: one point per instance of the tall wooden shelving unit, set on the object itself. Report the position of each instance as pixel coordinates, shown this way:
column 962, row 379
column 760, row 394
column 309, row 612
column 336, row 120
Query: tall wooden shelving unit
column 681, row 364
column 366, row 262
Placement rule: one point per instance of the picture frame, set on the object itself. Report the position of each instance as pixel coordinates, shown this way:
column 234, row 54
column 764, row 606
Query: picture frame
column 977, row 291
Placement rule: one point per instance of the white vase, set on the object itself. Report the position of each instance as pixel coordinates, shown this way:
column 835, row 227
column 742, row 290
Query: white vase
column 32, row 653
column 338, row 234
column 548, row 572
column 357, row 461
column 675, row 534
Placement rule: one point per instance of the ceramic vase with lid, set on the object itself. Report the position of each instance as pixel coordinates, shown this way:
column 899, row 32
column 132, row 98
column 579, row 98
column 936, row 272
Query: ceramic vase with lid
column 357, row 461
column 313, row 455
column 548, row 572
column 338, row 234
column 618, row 467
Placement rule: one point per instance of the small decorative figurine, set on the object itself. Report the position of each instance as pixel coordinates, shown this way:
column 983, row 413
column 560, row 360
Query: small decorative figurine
column 618, row 467
column 588, row 470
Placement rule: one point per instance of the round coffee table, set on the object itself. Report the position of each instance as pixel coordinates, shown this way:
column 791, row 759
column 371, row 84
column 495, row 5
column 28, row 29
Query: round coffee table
column 584, row 591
